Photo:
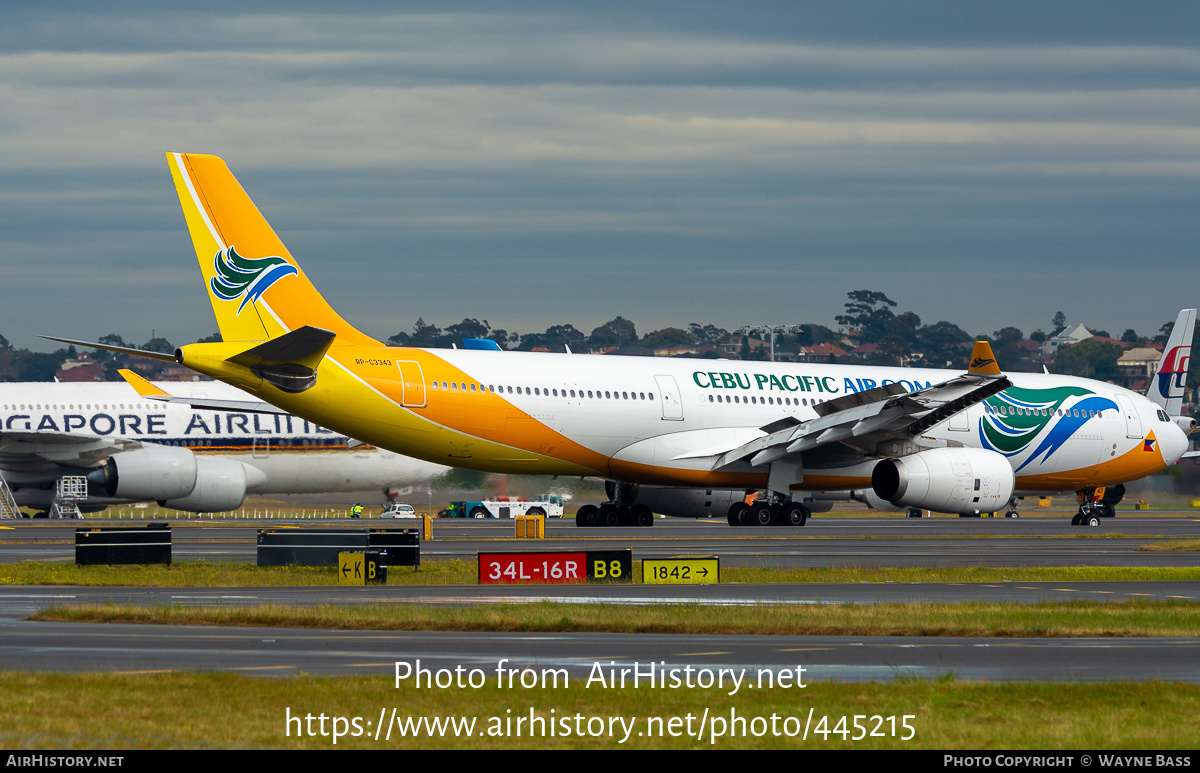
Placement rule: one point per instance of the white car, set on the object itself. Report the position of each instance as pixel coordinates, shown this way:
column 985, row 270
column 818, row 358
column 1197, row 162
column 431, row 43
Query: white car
column 398, row 510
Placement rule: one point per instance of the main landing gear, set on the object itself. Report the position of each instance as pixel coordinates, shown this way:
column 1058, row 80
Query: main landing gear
column 766, row 513
column 612, row 514
column 620, row 510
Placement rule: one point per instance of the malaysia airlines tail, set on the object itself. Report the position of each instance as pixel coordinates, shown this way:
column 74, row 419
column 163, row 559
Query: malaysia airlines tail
column 1168, row 384
column 257, row 290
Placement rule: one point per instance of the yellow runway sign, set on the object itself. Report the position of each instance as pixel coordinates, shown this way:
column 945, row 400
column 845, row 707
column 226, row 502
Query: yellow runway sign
column 691, row 570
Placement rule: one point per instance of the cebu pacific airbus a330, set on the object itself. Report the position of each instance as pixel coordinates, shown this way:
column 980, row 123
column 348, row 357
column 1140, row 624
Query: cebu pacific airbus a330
column 666, row 433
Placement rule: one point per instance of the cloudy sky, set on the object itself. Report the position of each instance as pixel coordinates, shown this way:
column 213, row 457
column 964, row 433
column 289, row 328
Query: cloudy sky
column 536, row 164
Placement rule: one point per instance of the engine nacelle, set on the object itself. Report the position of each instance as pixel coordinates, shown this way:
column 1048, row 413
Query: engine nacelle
column 150, row 472
column 872, row 500
column 220, row 486
column 946, row 480
column 688, row 503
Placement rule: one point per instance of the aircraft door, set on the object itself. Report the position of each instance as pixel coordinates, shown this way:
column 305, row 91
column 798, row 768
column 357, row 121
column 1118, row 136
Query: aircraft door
column 412, row 382
column 668, row 391
column 1133, row 421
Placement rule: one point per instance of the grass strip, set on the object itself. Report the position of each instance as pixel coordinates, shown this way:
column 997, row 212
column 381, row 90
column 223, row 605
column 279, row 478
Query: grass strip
column 204, row 574
column 1184, row 544
column 967, row 619
column 197, row 710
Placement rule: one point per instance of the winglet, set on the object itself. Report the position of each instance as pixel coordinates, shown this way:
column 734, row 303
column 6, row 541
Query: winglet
column 983, row 362
column 142, row 386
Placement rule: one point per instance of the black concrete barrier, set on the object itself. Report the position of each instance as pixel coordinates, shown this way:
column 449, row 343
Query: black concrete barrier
column 402, row 546
column 320, row 547
column 123, row 545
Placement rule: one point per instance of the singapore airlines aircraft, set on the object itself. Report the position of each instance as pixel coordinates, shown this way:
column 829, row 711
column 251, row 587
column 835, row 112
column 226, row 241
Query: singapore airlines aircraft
column 133, row 449
column 658, row 430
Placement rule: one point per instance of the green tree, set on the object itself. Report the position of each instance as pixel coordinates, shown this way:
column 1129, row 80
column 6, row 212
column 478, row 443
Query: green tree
column 943, row 345
column 615, row 332
column 868, row 311
column 668, row 336
column 1089, row 359
column 708, row 335
column 158, row 344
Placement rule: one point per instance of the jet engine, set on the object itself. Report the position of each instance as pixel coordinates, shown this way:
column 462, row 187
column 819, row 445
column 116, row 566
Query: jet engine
column 150, row 472
column 220, row 486
column 176, row 478
column 946, row 480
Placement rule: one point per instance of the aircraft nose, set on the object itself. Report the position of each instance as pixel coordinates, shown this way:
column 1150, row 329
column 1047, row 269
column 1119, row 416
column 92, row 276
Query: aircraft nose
column 1173, row 441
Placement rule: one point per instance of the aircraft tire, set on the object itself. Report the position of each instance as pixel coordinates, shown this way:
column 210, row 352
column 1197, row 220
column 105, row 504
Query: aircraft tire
column 912, row 512
column 642, row 516
column 610, row 515
column 762, row 514
column 535, row 511
column 1093, row 520
column 795, row 514
column 738, row 514
column 581, row 517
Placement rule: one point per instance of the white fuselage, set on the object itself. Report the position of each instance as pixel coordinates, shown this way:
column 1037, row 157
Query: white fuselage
column 294, row 456
column 663, row 421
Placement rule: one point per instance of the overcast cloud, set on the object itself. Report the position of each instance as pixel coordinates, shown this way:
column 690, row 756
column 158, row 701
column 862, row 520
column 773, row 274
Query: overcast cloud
column 680, row 164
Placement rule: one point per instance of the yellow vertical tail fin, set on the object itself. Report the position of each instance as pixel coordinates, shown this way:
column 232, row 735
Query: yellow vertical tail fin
column 257, row 290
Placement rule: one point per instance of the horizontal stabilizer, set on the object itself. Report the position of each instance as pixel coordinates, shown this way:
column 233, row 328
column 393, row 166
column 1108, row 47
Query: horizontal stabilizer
column 304, row 346
column 118, row 349
column 290, row 361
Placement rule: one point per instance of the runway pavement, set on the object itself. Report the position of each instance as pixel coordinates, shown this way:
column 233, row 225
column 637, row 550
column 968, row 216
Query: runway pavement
column 824, row 542
column 289, row 652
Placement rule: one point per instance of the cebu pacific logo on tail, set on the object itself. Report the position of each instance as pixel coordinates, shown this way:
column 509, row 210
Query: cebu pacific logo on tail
column 246, row 278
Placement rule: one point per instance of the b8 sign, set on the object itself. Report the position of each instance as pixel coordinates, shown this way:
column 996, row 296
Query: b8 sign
column 555, row 568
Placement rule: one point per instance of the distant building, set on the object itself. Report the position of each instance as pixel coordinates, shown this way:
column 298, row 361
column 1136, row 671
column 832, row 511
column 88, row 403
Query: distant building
column 1064, row 336
column 676, row 351
column 77, row 371
column 1137, row 367
column 820, row 353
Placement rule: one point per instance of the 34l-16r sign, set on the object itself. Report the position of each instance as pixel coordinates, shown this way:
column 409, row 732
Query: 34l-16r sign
column 556, row 568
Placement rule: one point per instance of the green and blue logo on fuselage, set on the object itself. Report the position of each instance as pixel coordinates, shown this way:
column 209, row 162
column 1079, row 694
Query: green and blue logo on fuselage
column 1014, row 419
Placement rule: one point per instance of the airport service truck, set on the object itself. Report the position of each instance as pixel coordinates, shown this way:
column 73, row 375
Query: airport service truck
column 549, row 505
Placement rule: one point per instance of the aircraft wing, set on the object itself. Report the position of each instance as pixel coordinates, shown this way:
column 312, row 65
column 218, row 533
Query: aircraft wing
column 150, row 392
column 37, row 450
column 864, row 418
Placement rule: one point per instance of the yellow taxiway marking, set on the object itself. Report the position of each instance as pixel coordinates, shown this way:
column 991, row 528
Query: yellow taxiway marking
column 1179, row 597
column 262, row 668
column 805, row 649
column 697, row 654
column 1141, row 594
column 1102, row 591
column 148, row 671
column 1067, row 590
